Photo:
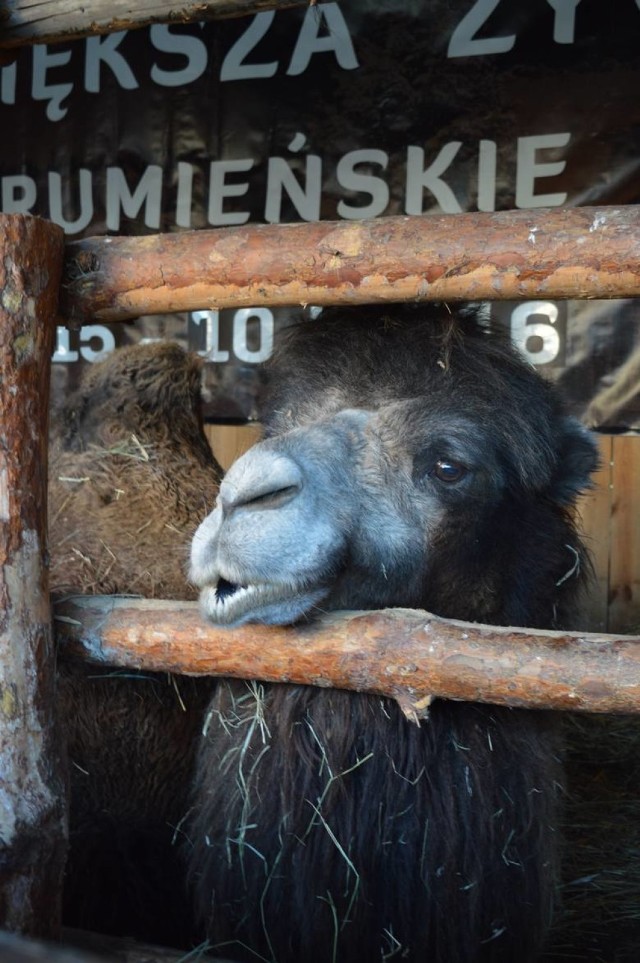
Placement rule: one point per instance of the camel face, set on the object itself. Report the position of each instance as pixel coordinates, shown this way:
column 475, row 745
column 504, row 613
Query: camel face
column 376, row 482
column 302, row 519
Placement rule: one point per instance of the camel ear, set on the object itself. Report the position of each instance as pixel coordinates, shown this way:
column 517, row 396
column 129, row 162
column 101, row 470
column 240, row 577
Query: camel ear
column 578, row 457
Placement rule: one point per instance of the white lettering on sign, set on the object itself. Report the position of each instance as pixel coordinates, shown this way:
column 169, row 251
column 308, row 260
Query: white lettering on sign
column 63, row 353
column 564, row 22
column 96, row 341
column 255, row 325
column 219, row 189
column 420, row 179
column 41, row 89
column 183, row 45
column 210, row 320
column 147, row 193
column 304, row 194
column 487, row 165
column 529, row 169
column 465, row 41
column 537, row 340
column 335, row 38
column 19, row 194
column 234, row 66
column 184, row 194
column 532, row 329
column 293, row 187
column 85, row 188
column 323, row 30
column 104, row 50
column 8, row 77
column 241, row 328
column 360, row 182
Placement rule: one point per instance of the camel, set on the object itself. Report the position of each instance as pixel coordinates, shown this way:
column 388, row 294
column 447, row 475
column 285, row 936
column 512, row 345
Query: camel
column 411, row 458
column 131, row 474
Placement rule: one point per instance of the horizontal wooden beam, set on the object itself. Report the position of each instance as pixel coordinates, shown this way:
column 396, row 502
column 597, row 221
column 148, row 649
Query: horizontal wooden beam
column 409, row 655
column 549, row 253
column 48, row 21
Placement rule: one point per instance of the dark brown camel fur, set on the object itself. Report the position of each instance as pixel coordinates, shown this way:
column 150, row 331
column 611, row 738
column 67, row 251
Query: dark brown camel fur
column 131, row 475
column 411, row 459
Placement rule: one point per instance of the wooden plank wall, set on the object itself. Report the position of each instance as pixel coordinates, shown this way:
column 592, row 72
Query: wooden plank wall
column 610, row 516
column 624, row 535
column 610, row 519
column 595, row 516
column 230, row 441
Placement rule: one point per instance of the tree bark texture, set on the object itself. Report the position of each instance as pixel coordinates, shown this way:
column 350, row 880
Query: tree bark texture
column 32, row 803
column 49, row 21
column 553, row 253
column 410, row 655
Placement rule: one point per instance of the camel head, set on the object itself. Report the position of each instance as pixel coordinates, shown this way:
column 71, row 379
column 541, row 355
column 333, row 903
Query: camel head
column 411, row 458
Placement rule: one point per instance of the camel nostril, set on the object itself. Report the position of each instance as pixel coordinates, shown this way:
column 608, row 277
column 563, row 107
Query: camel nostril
column 274, row 499
column 225, row 589
column 260, row 479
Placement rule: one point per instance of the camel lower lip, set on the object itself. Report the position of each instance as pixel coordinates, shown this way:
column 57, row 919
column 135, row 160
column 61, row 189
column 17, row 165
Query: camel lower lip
column 230, row 604
column 226, row 602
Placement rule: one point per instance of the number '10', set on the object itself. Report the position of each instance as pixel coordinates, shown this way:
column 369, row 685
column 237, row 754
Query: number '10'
column 240, row 346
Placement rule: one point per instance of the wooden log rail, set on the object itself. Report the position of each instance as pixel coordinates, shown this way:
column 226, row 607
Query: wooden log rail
column 47, row 21
column 588, row 252
column 410, row 655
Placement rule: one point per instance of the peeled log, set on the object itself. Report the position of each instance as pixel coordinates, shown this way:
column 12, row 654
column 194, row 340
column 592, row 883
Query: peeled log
column 51, row 21
column 583, row 252
column 410, row 655
column 32, row 799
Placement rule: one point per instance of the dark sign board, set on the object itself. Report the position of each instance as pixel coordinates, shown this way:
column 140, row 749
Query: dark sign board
column 339, row 111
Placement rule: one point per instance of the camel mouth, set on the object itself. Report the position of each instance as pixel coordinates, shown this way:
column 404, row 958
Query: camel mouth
column 231, row 604
column 226, row 590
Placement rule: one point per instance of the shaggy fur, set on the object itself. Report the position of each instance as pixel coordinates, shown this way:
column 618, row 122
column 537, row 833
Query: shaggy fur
column 131, row 474
column 414, row 460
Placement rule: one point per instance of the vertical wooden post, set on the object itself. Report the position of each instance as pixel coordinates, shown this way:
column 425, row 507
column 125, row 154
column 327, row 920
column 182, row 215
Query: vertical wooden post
column 32, row 790
column 624, row 564
column 594, row 509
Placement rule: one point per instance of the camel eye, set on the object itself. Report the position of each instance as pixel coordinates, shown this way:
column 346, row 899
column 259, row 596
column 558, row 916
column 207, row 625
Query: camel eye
column 448, row 471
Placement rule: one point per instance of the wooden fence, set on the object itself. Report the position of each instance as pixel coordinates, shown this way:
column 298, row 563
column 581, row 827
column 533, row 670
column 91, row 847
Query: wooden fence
column 486, row 255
